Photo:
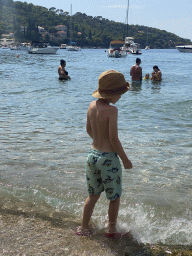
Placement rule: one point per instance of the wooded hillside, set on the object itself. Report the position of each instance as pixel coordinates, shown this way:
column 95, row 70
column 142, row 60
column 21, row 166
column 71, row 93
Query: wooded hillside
column 95, row 31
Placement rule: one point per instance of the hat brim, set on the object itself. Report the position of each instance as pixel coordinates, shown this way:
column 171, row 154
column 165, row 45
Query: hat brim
column 108, row 95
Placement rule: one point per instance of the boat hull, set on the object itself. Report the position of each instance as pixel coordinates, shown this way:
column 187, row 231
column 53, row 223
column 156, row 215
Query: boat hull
column 20, row 48
column 116, row 53
column 46, row 50
column 184, row 48
column 73, row 48
column 136, row 52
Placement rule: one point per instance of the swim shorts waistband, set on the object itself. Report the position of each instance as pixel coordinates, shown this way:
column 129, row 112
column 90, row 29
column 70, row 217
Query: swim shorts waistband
column 98, row 152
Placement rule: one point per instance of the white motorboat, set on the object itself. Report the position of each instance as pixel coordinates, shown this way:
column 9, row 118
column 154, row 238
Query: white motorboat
column 5, row 47
column 21, row 47
column 184, row 48
column 128, row 44
column 63, row 46
column 42, row 48
column 73, row 48
column 24, row 47
column 147, row 48
column 135, row 49
column 14, row 47
column 131, row 47
column 115, row 50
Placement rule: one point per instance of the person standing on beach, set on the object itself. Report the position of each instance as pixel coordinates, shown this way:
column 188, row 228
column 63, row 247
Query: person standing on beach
column 63, row 74
column 103, row 170
column 136, row 71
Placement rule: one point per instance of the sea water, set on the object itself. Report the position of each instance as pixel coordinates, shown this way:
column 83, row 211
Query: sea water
column 44, row 143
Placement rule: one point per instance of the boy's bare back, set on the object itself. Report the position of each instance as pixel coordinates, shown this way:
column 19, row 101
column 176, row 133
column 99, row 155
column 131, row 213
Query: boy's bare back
column 99, row 116
column 102, row 128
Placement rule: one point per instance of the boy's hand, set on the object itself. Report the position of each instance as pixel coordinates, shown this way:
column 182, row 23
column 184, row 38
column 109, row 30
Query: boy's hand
column 127, row 164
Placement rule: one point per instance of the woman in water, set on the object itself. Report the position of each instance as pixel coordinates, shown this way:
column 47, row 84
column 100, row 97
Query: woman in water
column 63, row 74
column 156, row 75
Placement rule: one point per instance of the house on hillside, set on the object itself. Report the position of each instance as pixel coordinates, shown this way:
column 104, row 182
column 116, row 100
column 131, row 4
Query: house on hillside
column 41, row 29
column 7, row 39
column 61, row 34
column 61, row 28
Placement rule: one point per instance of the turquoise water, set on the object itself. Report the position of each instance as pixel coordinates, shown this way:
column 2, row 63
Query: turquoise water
column 44, row 144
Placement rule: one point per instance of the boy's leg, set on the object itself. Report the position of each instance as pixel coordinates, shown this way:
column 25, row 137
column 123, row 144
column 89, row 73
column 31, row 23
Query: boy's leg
column 88, row 210
column 112, row 214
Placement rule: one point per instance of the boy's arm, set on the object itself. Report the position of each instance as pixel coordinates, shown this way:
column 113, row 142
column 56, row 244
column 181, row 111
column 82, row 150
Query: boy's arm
column 114, row 140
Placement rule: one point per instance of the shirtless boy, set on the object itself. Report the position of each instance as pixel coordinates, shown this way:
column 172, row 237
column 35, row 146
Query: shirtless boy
column 63, row 74
column 136, row 71
column 103, row 171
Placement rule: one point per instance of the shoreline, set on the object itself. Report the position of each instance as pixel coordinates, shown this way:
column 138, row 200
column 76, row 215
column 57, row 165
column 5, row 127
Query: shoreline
column 29, row 233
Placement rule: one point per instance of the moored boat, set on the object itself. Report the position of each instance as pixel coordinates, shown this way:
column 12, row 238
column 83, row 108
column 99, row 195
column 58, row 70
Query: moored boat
column 184, row 48
column 135, row 49
column 42, row 48
column 21, row 47
column 14, row 47
column 73, row 48
column 63, row 46
column 5, row 47
column 24, row 46
column 128, row 42
column 115, row 50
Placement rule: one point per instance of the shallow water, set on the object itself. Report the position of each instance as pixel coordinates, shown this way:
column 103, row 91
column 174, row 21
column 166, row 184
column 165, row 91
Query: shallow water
column 44, row 142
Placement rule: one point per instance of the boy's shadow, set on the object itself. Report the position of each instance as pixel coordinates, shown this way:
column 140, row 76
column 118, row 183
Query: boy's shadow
column 124, row 245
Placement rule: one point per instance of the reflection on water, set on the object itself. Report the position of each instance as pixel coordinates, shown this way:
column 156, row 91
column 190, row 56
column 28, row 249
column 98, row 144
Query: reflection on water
column 136, row 85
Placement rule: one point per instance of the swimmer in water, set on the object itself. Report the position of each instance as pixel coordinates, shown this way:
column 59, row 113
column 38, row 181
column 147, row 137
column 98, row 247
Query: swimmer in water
column 146, row 76
column 156, row 75
column 63, row 74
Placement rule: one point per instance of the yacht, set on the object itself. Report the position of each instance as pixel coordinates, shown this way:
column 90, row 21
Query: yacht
column 184, row 48
column 115, row 49
column 42, row 48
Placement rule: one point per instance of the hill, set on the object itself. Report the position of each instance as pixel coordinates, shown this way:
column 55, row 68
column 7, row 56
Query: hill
column 23, row 20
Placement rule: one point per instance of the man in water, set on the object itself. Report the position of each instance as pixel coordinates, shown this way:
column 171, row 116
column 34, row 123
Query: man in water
column 63, row 74
column 136, row 72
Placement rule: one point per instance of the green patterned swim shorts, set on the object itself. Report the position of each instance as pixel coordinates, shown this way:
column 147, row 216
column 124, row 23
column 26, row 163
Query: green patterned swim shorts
column 104, row 173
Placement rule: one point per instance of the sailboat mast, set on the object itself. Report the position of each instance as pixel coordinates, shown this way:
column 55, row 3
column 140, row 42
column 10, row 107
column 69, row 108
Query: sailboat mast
column 127, row 15
column 71, row 25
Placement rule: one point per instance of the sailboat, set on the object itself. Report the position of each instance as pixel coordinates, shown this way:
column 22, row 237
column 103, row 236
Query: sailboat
column 71, row 47
column 130, row 46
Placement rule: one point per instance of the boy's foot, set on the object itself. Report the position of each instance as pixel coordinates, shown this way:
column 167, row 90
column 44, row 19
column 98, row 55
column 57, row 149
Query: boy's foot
column 83, row 232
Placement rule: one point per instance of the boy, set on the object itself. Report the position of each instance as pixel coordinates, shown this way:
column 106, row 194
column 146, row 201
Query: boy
column 103, row 171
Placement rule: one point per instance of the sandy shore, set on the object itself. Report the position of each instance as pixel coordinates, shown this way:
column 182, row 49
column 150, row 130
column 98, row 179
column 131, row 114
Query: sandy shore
column 33, row 234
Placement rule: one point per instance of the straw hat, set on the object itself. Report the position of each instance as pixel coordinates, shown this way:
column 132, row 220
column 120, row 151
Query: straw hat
column 111, row 83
